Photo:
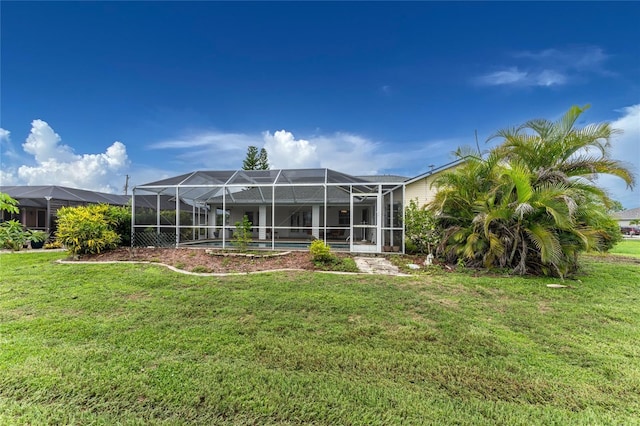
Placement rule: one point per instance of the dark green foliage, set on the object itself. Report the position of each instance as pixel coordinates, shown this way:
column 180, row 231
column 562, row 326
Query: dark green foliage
column 255, row 160
column 609, row 233
column 120, row 218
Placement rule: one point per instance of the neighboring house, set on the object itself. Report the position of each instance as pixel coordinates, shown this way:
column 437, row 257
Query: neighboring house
column 38, row 205
column 625, row 217
column 420, row 188
column 287, row 208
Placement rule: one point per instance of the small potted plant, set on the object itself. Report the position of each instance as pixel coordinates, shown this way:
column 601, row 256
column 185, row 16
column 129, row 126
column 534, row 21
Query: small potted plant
column 37, row 238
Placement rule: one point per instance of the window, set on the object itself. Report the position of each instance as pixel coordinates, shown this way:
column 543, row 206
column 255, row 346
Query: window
column 343, row 217
column 300, row 218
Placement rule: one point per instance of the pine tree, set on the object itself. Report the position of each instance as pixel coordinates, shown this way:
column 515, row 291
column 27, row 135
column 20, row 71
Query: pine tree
column 263, row 161
column 255, row 160
column 251, row 160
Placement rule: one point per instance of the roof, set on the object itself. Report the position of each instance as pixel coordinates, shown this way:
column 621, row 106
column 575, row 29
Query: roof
column 384, row 178
column 37, row 195
column 256, row 177
column 436, row 170
column 255, row 186
column 627, row 214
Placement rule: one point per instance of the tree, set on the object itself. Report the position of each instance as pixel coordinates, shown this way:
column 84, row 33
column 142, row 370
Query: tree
column 8, row 204
column 263, row 161
column 255, row 160
column 421, row 233
column 532, row 204
column 615, row 206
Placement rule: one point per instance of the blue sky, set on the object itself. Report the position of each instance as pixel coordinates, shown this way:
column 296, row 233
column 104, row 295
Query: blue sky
column 94, row 91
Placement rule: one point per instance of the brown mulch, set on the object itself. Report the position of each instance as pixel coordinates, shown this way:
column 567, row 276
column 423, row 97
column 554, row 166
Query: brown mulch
column 190, row 259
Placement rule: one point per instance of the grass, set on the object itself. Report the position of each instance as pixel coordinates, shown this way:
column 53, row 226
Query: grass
column 627, row 247
column 139, row 344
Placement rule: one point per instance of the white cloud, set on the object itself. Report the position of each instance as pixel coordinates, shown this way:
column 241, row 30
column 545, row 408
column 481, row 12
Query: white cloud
column 7, row 151
column 550, row 78
column 210, row 149
column 626, row 147
column 549, row 67
column 514, row 77
column 287, row 152
column 340, row 151
column 4, row 135
column 44, row 144
column 580, row 57
column 56, row 163
column 508, row 76
column 7, row 177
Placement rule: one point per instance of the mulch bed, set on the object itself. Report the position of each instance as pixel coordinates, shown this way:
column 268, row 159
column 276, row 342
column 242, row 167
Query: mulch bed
column 198, row 259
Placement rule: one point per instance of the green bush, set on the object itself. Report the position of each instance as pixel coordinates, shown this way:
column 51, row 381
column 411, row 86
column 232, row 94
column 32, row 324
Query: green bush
column 12, row 235
column 321, row 252
column 120, row 220
column 324, row 258
column 420, row 228
column 87, row 229
column 242, row 235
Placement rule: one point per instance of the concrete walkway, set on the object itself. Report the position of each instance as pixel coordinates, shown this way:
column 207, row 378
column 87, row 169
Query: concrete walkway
column 378, row 266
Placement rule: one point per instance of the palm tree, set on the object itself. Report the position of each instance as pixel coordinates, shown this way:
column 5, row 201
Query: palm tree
column 558, row 151
column 532, row 204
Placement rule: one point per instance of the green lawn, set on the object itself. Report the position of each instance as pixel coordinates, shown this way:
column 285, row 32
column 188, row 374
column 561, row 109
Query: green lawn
column 628, row 247
column 139, row 344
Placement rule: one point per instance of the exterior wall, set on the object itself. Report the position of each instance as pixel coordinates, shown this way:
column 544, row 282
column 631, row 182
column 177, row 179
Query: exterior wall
column 421, row 190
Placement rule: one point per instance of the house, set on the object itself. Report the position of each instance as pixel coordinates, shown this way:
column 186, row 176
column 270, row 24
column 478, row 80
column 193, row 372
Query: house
column 625, row 218
column 38, row 205
column 286, row 207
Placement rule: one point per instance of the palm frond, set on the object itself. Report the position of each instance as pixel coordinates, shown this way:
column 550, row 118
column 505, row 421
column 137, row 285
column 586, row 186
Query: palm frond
column 545, row 241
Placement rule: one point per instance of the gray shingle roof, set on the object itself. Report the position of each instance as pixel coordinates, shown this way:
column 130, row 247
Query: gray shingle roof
column 35, row 196
column 627, row 214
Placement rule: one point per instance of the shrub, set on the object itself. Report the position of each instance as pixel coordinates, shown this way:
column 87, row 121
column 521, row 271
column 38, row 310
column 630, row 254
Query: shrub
column 52, row 245
column 242, row 235
column 87, row 229
column 120, row 220
column 321, row 252
column 420, row 228
column 12, row 235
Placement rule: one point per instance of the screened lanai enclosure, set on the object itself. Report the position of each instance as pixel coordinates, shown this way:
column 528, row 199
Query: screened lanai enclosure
column 287, row 208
